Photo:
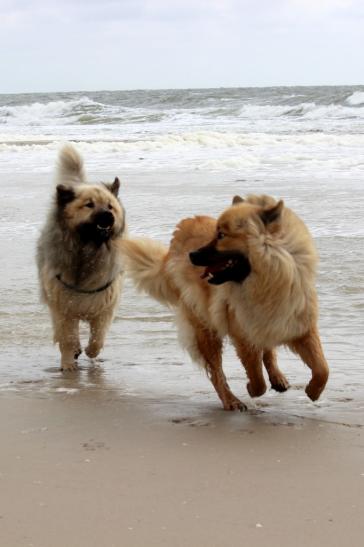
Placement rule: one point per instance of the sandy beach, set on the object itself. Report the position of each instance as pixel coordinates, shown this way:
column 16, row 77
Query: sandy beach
column 80, row 470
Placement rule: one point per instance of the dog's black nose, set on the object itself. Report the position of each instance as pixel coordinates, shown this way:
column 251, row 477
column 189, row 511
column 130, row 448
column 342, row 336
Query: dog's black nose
column 105, row 219
column 195, row 258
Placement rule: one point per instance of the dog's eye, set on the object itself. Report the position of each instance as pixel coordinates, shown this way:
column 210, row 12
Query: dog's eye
column 220, row 235
column 110, row 206
column 90, row 205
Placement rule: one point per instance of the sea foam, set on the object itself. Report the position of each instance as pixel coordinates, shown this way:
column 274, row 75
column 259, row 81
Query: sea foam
column 357, row 98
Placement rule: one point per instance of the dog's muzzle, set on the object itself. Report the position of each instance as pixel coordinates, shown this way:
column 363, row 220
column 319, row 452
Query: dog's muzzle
column 104, row 219
column 204, row 256
column 221, row 266
column 99, row 230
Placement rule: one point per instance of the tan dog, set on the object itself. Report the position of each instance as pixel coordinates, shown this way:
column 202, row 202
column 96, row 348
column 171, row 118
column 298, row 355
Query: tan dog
column 78, row 259
column 253, row 279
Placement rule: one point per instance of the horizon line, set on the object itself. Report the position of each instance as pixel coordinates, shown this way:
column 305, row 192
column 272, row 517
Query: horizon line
column 175, row 88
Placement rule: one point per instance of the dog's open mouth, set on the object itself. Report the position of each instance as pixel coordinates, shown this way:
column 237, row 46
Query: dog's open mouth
column 95, row 232
column 221, row 267
column 215, row 269
column 102, row 232
column 104, row 229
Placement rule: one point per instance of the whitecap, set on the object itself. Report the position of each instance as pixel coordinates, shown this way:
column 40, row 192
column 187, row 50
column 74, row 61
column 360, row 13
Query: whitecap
column 356, row 98
column 38, row 113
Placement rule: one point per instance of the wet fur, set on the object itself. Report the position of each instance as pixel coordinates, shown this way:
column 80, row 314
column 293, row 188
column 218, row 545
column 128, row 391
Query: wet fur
column 85, row 265
column 276, row 304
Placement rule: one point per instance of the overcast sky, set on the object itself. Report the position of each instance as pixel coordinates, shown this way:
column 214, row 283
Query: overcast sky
column 69, row 45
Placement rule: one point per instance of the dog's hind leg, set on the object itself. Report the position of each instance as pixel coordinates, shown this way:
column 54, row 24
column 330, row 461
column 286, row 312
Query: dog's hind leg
column 309, row 348
column 277, row 379
column 205, row 347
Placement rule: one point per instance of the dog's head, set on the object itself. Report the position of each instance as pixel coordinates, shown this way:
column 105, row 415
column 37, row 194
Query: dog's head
column 226, row 257
column 91, row 211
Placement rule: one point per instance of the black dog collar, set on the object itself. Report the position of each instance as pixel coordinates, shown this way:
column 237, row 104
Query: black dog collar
column 84, row 291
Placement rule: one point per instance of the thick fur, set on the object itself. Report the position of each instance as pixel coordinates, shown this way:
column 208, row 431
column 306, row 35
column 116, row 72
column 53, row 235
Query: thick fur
column 147, row 270
column 276, row 304
column 70, row 167
column 73, row 247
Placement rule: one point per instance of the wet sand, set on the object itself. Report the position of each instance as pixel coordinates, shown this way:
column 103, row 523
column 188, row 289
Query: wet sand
column 85, row 470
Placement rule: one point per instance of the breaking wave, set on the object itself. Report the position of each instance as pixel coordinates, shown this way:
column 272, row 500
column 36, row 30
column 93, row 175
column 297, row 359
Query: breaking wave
column 196, row 139
column 84, row 111
column 37, row 113
column 356, row 99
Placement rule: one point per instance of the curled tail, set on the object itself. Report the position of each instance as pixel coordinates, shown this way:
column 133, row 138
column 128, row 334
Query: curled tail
column 146, row 264
column 70, row 166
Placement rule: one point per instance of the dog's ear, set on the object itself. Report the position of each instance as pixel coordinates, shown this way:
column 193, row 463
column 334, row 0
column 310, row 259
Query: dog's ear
column 64, row 195
column 114, row 187
column 272, row 213
column 236, row 200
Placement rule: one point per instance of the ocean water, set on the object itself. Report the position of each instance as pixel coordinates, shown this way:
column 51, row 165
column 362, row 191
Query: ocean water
column 179, row 153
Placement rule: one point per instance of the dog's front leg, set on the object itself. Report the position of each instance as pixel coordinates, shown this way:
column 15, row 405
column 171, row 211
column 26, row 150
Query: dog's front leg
column 309, row 349
column 69, row 342
column 251, row 359
column 98, row 329
column 208, row 346
column 277, row 379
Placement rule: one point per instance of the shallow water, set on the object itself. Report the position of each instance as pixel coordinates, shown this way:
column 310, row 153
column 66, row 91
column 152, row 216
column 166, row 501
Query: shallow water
column 142, row 359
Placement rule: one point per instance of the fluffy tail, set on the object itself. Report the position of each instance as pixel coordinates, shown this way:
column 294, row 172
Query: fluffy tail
column 146, row 264
column 70, row 166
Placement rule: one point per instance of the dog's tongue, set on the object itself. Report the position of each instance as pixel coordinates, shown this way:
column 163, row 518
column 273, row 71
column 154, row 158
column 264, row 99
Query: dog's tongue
column 211, row 270
column 205, row 274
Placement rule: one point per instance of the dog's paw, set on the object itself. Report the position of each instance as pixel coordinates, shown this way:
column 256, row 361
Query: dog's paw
column 69, row 367
column 78, row 353
column 92, row 351
column 233, row 403
column 317, row 384
column 279, row 383
column 313, row 392
column 256, row 390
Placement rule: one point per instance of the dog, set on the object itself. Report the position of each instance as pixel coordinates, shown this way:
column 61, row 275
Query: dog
column 249, row 276
column 79, row 262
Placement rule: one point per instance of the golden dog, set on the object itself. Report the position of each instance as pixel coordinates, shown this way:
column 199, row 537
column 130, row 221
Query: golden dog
column 79, row 262
column 250, row 275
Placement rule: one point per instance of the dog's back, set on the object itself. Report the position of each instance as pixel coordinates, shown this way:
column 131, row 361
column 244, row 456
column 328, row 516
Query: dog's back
column 167, row 275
